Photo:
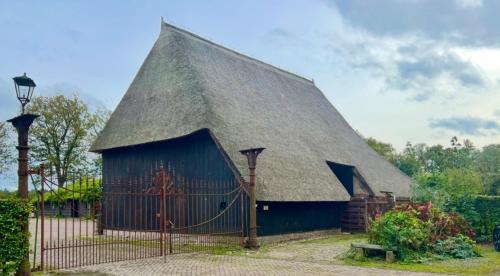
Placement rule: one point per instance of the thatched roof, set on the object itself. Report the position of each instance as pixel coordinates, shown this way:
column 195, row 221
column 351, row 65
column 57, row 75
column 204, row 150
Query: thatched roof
column 188, row 83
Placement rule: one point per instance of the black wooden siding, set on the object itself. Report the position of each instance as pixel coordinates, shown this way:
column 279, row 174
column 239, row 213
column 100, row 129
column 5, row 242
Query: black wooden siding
column 198, row 167
column 290, row 217
column 195, row 156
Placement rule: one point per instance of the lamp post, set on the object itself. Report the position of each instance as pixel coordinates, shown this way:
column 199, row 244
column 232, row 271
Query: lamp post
column 24, row 91
column 251, row 155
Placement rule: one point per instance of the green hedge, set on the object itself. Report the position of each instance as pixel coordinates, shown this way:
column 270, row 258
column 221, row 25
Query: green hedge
column 14, row 244
column 84, row 190
column 488, row 208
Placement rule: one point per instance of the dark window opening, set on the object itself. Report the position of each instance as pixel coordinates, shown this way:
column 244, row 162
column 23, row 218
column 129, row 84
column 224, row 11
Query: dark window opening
column 345, row 174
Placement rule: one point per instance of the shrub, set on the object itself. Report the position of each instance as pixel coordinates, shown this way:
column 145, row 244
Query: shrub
column 449, row 225
column 14, row 244
column 418, row 230
column 84, row 190
column 402, row 230
column 488, row 208
column 444, row 225
column 459, row 247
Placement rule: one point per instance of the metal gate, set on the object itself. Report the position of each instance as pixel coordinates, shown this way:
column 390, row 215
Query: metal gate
column 90, row 221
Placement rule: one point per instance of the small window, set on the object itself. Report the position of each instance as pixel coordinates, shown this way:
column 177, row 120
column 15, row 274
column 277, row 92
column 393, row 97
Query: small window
column 222, row 205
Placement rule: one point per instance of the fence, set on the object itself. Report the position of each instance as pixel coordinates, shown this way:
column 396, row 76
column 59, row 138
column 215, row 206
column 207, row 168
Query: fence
column 159, row 213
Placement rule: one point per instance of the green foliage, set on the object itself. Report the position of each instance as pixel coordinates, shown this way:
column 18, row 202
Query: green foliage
column 386, row 150
column 488, row 264
column 457, row 247
column 451, row 185
column 408, row 164
column 84, row 190
column 14, row 244
column 5, row 194
column 488, row 165
column 62, row 135
column 402, row 230
column 416, row 160
column 444, row 224
column 430, row 187
column 462, row 182
column 439, row 159
column 456, row 190
column 421, row 230
column 488, row 208
column 5, row 149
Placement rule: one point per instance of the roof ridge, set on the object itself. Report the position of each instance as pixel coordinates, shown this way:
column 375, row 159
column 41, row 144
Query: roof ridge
column 165, row 24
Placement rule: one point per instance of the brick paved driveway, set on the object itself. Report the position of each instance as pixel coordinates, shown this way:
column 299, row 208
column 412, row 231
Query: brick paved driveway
column 206, row 264
column 304, row 257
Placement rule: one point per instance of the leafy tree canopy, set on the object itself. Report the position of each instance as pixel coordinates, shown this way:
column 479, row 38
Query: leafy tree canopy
column 63, row 133
column 458, row 168
column 5, row 149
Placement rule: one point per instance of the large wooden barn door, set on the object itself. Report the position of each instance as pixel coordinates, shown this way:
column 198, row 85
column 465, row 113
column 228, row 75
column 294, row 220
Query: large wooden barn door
column 138, row 217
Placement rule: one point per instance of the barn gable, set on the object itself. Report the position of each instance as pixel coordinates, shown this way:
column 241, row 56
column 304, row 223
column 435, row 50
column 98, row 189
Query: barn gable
column 188, row 83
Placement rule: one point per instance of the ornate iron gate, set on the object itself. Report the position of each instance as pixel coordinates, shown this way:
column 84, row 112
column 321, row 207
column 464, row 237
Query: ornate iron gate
column 84, row 222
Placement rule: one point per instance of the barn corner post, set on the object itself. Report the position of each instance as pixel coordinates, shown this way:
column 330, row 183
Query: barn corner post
column 251, row 155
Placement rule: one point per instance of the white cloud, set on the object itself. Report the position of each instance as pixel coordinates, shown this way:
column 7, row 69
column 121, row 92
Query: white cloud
column 469, row 3
column 391, row 86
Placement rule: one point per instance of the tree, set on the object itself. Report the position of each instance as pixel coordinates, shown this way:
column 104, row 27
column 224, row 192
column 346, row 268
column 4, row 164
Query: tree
column 6, row 193
column 5, row 149
column 101, row 116
column 488, row 165
column 409, row 161
column 60, row 136
column 453, row 190
column 430, row 187
column 386, row 150
column 459, row 156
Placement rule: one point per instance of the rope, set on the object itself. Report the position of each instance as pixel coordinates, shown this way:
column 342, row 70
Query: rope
column 214, row 218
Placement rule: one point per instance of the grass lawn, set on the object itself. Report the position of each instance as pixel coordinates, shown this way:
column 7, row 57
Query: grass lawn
column 488, row 264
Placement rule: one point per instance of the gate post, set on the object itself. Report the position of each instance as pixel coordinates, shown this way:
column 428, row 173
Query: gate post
column 251, row 155
column 42, row 214
column 162, row 186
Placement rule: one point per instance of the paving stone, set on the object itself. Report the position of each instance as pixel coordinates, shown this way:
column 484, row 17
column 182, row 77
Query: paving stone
column 205, row 264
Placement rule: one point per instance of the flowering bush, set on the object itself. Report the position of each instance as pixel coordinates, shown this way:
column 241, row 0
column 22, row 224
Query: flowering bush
column 444, row 225
column 420, row 229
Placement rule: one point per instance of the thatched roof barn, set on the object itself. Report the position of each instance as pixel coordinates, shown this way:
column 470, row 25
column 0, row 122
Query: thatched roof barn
column 188, row 84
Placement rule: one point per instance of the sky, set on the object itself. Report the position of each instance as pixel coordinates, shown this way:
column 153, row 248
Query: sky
column 416, row 70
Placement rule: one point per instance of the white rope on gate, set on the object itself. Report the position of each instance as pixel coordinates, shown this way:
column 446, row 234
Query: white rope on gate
column 214, row 218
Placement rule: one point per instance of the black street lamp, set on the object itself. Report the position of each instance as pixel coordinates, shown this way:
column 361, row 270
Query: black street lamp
column 24, row 90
